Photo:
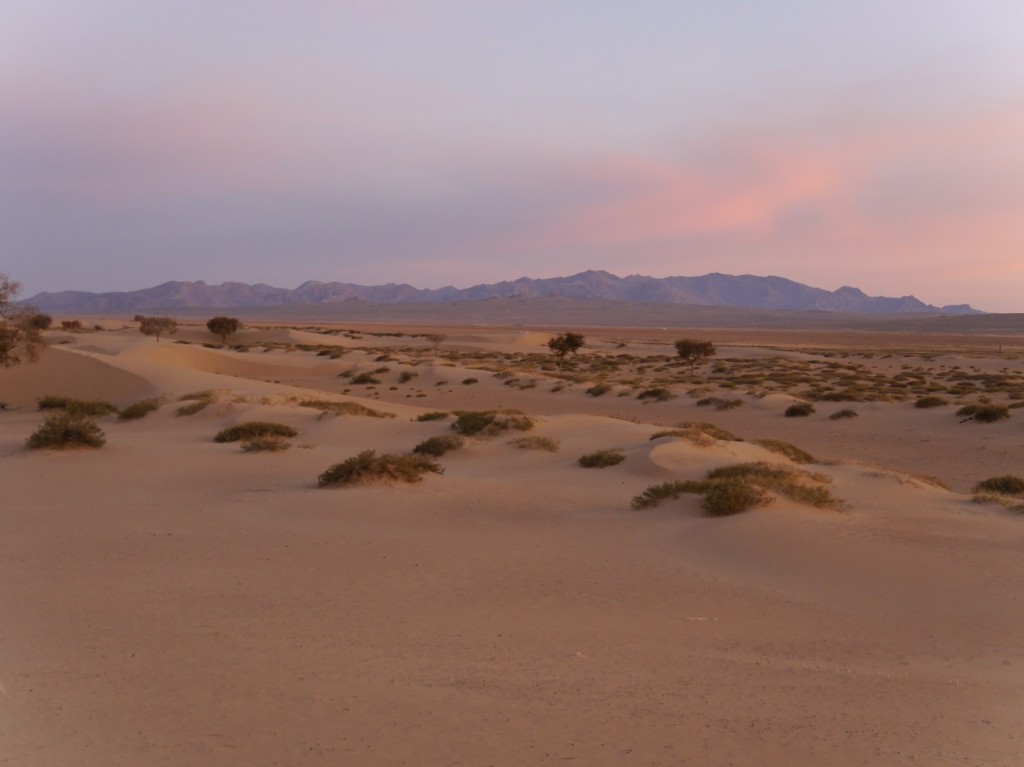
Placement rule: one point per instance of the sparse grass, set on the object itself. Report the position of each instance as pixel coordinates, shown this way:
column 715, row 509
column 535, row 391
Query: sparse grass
column 344, row 408
column 94, row 408
column 799, row 410
column 194, row 407
column 436, row 415
column 655, row 494
column 536, row 443
column 792, row 483
column 698, row 432
column 490, row 422
column 844, row 413
column 438, row 446
column 368, row 466
column 730, row 497
column 1011, row 503
column 601, row 459
column 254, row 429
column 205, row 394
column 139, row 409
column 365, row 378
column 931, row 401
column 269, row 443
column 792, row 452
column 66, row 429
column 1007, row 484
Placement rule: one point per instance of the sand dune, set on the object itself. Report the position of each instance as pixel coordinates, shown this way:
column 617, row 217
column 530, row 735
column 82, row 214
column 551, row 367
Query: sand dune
column 172, row 600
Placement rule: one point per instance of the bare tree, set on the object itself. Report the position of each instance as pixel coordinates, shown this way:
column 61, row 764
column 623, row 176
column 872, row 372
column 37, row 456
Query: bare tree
column 435, row 340
column 21, row 335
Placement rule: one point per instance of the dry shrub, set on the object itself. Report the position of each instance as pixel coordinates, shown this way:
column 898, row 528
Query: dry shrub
column 720, row 403
column 437, row 415
column 799, row 410
column 723, row 499
column 599, row 389
column 536, row 443
column 139, row 409
column 657, row 393
column 490, row 422
column 1007, row 484
column 438, row 446
column 94, row 408
column 844, row 413
column 368, row 466
column 66, row 429
column 795, row 484
column 655, row 494
column 253, row 430
column 792, row 452
column 194, row 407
column 270, row 444
column 344, row 408
column 601, row 459
column 931, row 401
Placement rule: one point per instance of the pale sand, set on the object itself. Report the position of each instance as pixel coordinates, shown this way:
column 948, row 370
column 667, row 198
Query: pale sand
column 168, row 600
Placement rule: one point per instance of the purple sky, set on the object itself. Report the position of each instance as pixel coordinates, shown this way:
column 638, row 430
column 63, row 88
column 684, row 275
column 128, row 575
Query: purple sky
column 874, row 144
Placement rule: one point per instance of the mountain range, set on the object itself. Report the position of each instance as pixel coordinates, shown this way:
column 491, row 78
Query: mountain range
column 715, row 289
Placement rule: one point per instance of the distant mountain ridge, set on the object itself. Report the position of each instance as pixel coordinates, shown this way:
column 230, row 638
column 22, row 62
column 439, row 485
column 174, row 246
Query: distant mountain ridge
column 748, row 291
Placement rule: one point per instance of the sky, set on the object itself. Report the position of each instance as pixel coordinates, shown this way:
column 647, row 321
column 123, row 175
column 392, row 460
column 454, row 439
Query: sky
column 454, row 142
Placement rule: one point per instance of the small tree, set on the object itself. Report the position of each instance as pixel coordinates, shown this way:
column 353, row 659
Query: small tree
column 693, row 351
column 20, row 335
column 156, row 326
column 223, row 327
column 565, row 344
column 435, row 340
column 41, row 321
column 71, row 325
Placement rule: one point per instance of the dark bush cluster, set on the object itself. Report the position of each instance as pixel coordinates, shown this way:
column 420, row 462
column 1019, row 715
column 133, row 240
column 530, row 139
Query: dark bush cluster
column 94, row 408
column 601, row 459
column 368, row 466
column 490, row 422
column 253, row 430
column 66, row 429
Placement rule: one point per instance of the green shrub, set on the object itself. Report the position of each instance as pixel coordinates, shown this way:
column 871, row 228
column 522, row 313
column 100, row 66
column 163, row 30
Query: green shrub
column 1007, row 484
column 253, row 430
column 931, row 401
column 368, row 466
column 344, row 408
column 438, row 446
column 792, row 452
column 94, row 408
column 66, row 429
column 536, row 443
column 139, row 409
column 599, row 389
column 490, row 422
column 844, row 413
column 601, row 459
column 799, row 409
column 731, row 497
column 268, row 443
column 437, row 415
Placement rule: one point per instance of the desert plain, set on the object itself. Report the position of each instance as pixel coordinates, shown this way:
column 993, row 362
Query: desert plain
column 172, row 600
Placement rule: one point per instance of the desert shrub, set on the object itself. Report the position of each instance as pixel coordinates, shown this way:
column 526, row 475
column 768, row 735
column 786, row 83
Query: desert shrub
column 799, row 409
column 254, row 429
column 269, row 443
column 368, row 466
column 601, row 459
column 723, row 499
column 344, row 408
column 365, row 378
column 536, row 443
column 844, row 413
column 438, row 446
column 931, row 401
column 470, row 381
column 205, row 394
column 655, row 494
column 690, row 430
column 94, row 408
column 792, row 452
column 656, row 393
column 720, row 403
column 194, row 407
column 991, row 413
column 436, row 415
column 967, row 410
column 66, row 429
column 793, row 483
column 490, row 422
column 599, row 389
column 406, row 375
column 1007, row 484
column 139, row 409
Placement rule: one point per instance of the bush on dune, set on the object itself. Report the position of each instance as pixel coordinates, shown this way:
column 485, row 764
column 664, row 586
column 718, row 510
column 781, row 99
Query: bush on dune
column 66, row 430
column 253, row 430
column 94, row 408
column 368, row 466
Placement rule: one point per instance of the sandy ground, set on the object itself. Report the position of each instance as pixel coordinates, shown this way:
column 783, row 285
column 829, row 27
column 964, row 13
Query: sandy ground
column 171, row 600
